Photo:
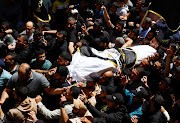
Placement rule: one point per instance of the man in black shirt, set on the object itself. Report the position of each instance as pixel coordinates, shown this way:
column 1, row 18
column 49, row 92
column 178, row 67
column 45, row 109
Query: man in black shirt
column 57, row 45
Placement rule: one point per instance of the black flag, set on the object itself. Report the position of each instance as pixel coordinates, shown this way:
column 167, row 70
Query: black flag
column 40, row 11
column 167, row 10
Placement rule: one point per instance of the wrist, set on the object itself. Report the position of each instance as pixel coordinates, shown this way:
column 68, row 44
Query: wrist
column 62, row 105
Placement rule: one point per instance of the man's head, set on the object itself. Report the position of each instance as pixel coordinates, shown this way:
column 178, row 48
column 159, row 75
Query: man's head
column 22, row 41
column 165, row 84
column 37, row 36
column 133, row 34
column 79, row 108
column 151, row 34
column 155, row 42
column 114, row 100
column 71, row 23
column 118, row 27
column 119, row 42
column 29, row 28
column 106, row 77
column 40, row 56
column 72, row 92
column 61, row 73
column 91, row 80
column 64, row 58
column 139, row 94
column 24, row 72
column 10, row 60
column 61, row 36
column 3, row 27
column 156, row 102
column 137, row 73
column 146, row 23
column 97, row 25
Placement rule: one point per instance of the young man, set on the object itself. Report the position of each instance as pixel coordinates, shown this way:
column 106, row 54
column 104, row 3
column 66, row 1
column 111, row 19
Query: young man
column 40, row 63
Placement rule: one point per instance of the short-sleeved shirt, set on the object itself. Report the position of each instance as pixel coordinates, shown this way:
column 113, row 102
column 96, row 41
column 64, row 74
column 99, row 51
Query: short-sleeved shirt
column 4, row 77
column 32, row 87
column 46, row 66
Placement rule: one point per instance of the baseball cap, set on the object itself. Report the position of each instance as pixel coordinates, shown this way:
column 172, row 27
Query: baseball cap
column 93, row 77
column 116, row 97
column 8, row 39
column 98, row 22
column 140, row 92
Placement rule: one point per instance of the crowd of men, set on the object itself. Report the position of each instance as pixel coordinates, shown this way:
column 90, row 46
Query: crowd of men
column 37, row 84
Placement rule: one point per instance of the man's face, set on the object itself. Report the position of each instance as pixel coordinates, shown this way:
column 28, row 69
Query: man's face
column 154, row 43
column 29, row 29
column 134, row 74
column 131, row 35
column 8, row 60
column 20, row 42
column 70, row 25
column 118, row 28
column 162, row 85
column 60, row 78
column 61, row 61
column 150, row 35
column 41, row 57
column 68, row 94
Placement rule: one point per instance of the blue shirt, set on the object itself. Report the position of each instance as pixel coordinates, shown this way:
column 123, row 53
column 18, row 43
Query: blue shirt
column 133, row 108
column 4, row 77
column 46, row 66
column 142, row 34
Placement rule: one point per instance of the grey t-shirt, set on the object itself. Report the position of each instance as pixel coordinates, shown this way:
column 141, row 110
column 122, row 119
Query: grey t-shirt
column 33, row 87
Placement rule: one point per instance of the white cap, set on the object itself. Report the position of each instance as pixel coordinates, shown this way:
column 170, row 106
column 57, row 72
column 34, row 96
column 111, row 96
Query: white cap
column 74, row 11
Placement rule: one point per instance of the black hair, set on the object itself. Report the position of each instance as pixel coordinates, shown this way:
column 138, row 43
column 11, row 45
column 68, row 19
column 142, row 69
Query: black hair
column 163, row 64
column 66, row 55
column 64, row 33
column 158, row 101
column 25, row 37
column 39, row 51
column 6, row 24
column 75, row 91
column 62, row 70
column 140, row 70
column 148, row 21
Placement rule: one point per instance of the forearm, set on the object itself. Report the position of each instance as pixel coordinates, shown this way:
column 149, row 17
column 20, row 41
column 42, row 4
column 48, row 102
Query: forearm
column 55, row 114
column 41, row 71
column 64, row 115
column 4, row 96
column 71, row 48
column 167, row 68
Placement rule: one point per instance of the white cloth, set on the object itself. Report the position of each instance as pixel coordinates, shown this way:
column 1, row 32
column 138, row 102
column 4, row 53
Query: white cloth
column 142, row 52
column 81, row 66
